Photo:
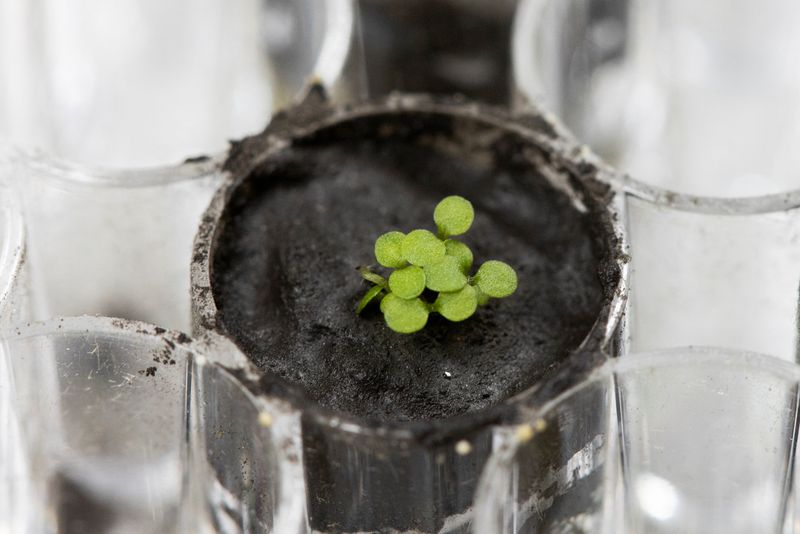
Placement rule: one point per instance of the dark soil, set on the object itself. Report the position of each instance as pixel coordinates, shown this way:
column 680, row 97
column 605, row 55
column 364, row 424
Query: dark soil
column 285, row 282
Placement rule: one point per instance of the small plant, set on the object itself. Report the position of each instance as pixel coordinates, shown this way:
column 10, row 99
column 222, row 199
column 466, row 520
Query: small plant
column 436, row 266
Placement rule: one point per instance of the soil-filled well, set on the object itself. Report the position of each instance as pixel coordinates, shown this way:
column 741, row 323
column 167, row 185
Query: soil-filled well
column 284, row 279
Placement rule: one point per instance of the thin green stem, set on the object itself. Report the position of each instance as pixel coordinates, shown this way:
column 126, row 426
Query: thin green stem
column 483, row 298
column 375, row 278
column 373, row 292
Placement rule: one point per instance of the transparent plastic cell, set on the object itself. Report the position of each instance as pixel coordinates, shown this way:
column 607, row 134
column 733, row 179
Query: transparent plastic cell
column 147, row 83
column 113, row 426
column 363, row 479
column 688, row 441
column 246, row 467
column 442, row 47
column 310, row 39
column 113, row 243
column 671, row 91
column 713, row 272
column 97, row 429
column 674, row 95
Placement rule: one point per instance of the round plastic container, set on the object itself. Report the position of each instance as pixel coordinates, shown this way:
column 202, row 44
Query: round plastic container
column 119, row 426
column 687, row 440
column 147, row 84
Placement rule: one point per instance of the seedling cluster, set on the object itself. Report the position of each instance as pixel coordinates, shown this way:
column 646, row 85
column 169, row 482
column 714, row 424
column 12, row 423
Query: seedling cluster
column 434, row 267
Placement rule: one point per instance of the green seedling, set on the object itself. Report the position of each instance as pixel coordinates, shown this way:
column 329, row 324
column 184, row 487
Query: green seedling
column 433, row 265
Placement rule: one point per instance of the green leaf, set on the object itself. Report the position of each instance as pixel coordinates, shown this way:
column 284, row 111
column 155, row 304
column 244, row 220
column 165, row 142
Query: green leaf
column 496, row 279
column 373, row 292
column 453, row 216
column 387, row 250
column 445, row 275
column 457, row 306
column 421, row 247
column 404, row 316
column 461, row 252
column 408, row 282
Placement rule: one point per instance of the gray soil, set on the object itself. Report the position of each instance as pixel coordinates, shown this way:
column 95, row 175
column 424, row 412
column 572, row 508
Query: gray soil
column 284, row 272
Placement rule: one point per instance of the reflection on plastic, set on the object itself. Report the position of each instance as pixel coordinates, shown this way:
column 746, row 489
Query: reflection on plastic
column 657, row 497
